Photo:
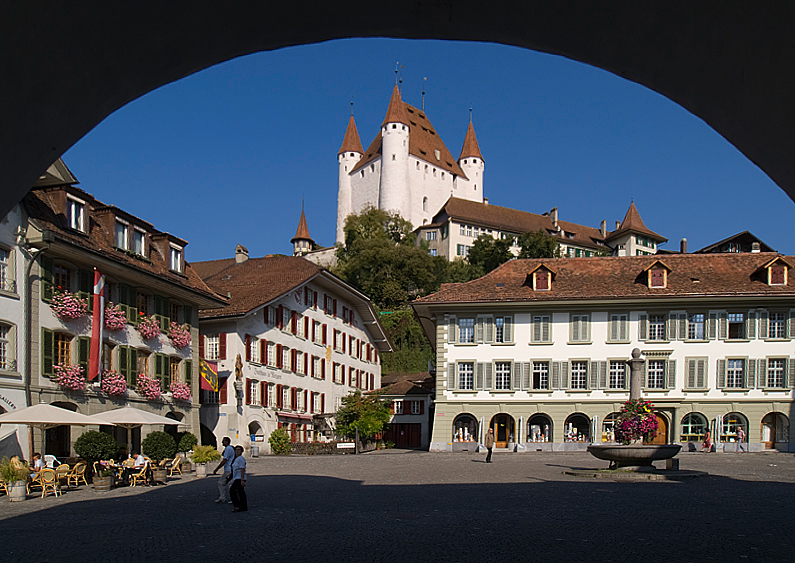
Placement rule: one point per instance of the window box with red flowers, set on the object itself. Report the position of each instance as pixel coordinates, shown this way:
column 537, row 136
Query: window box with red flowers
column 180, row 391
column 113, row 383
column 68, row 306
column 148, row 327
column 149, row 387
column 179, row 335
column 115, row 317
column 69, row 377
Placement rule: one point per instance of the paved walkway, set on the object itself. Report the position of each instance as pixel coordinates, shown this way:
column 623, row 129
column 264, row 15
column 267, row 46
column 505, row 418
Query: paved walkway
column 400, row 506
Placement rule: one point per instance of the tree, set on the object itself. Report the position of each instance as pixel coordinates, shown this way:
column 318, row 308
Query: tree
column 487, row 253
column 366, row 412
column 381, row 258
column 461, row 271
column 538, row 244
column 411, row 349
column 94, row 445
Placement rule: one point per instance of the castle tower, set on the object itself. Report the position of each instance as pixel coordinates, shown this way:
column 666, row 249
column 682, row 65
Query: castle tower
column 473, row 165
column 349, row 154
column 302, row 241
column 395, row 190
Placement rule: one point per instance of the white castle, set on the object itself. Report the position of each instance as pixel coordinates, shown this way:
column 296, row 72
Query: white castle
column 407, row 169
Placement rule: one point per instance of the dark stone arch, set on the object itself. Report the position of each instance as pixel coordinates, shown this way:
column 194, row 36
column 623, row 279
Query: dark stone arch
column 68, row 66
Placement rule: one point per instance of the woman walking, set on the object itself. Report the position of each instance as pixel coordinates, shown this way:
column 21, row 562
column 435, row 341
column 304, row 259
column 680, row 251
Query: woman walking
column 238, row 489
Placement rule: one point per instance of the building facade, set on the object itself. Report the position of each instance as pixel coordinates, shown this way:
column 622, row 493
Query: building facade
column 411, row 399
column 537, row 350
column 407, row 169
column 63, row 235
column 293, row 341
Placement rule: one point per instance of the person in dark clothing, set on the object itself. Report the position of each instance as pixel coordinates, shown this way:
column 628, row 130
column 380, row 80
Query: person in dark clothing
column 489, row 443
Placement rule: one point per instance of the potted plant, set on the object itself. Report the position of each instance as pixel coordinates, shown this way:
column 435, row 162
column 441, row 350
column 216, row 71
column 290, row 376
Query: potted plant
column 187, row 442
column 159, row 446
column 15, row 475
column 202, row 455
column 96, row 446
column 103, row 480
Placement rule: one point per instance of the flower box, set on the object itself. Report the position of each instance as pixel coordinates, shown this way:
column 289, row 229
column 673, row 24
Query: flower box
column 69, row 377
column 179, row 334
column 148, row 327
column 113, row 383
column 149, row 387
column 68, row 306
column 180, row 391
column 115, row 317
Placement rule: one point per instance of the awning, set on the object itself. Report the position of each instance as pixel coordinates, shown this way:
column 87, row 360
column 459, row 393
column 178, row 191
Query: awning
column 296, row 416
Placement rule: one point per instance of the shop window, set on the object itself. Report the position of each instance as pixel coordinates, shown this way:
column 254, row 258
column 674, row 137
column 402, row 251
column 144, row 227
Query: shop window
column 732, row 422
column 577, row 428
column 609, row 427
column 539, row 428
column 465, row 428
column 694, row 426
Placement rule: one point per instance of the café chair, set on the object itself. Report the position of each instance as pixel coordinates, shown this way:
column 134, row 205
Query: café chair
column 35, row 481
column 3, row 486
column 62, row 474
column 77, row 474
column 139, row 477
column 174, row 466
column 49, row 481
column 51, row 461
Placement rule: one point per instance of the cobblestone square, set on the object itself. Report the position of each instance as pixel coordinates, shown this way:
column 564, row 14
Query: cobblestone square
column 397, row 505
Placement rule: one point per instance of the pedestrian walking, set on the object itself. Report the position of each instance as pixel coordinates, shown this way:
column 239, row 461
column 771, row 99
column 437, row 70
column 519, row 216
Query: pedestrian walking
column 740, row 439
column 489, row 443
column 226, row 462
column 707, row 444
column 238, row 489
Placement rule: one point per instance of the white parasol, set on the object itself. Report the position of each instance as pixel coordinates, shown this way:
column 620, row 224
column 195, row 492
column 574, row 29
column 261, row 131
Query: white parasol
column 130, row 417
column 46, row 416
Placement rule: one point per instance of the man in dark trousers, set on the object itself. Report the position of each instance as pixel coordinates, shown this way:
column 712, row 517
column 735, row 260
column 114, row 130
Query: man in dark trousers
column 238, row 489
column 489, row 443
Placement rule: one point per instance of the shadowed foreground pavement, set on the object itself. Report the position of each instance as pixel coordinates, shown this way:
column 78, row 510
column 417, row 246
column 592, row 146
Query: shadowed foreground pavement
column 397, row 506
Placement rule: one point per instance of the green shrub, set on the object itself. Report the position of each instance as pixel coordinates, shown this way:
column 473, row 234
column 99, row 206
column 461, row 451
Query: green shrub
column 11, row 473
column 186, row 442
column 280, row 442
column 93, row 446
column 159, row 445
column 205, row 454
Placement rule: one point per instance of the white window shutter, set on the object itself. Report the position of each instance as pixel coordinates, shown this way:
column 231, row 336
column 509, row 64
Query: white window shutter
column 575, row 328
column 750, row 326
column 712, row 326
column 479, row 330
column 723, row 329
column 670, row 327
column 643, row 327
column 701, row 373
column 564, row 375
column 623, row 322
column 537, row 329
column 614, row 327
column 721, row 374
column 791, row 324
column 763, row 319
column 555, row 383
column 451, row 331
column 670, row 374
column 602, row 375
column 507, row 325
column 489, row 377
column 479, row 375
column 516, row 375
column 790, row 373
column 545, row 336
column 682, row 326
column 451, row 383
column 593, row 375
column 489, row 334
column 750, row 375
column 691, row 373
column 527, row 373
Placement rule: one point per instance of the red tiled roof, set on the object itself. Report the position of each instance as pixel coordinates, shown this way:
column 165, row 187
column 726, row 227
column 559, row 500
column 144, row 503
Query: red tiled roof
column 351, row 141
column 691, row 275
column 632, row 223
column 470, row 147
column 423, row 138
column 302, row 233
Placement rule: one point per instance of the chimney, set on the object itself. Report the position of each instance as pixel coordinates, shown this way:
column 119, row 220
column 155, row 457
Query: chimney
column 485, row 201
column 553, row 214
column 603, row 228
column 683, row 246
column 755, row 248
column 618, row 224
column 241, row 254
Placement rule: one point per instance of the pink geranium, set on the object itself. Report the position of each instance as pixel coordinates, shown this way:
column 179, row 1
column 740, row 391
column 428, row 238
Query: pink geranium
column 180, row 391
column 149, row 387
column 148, row 327
column 69, row 377
column 113, row 383
column 68, row 306
column 179, row 334
column 636, row 421
column 115, row 317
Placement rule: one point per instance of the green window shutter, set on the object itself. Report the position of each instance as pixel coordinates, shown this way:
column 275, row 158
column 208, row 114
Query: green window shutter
column 162, row 312
column 643, row 327
column 712, row 322
column 85, row 287
column 764, row 316
column 750, row 326
column 188, row 372
column 723, row 328
column 160, row 368
column 507, row 329
column 479, row 375
column 127, row 296
column 682, row 326
column 124, row 367
column 187, row 312
column 488, row 379
column 670, row 374
column 750, row 374
column 721, row 374
column 451, row 376
column 47, row 352
column 83, row 353
column 46, row 277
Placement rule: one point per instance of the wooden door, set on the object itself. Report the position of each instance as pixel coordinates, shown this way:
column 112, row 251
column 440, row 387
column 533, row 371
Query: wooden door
column 769, row 431
column 662, row 431
column 501, row 431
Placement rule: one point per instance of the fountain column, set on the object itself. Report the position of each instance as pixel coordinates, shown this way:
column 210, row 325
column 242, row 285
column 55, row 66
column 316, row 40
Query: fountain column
column 635, row 374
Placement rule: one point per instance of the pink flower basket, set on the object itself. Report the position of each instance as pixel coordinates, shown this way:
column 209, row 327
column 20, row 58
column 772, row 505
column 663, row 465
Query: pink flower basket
column 148, row 327
column 115, row 317
column 636, row 421
column 68, row 306
column 149, row 387
column 180, row 391
column 70, row 377
column 113, row 383
column 179, row 334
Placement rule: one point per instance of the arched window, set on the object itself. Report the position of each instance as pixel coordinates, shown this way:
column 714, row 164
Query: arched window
column 465, row 428
column 609, row 427
column 425, row 203
column 694, row 426
column 577, row 429
column 539, row 428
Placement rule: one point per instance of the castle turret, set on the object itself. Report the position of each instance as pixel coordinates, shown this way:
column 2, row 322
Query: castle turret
column 302, row 241
column 472, row 163
column 349, row 154
column 394, row 191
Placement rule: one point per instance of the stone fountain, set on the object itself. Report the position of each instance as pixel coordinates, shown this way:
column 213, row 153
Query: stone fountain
column 635, row 456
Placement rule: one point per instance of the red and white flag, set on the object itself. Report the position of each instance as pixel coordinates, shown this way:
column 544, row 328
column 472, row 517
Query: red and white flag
column 98, row 320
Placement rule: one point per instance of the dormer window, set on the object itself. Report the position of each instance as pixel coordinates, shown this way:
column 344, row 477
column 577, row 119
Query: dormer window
column 176, row 259
column 75, row 214
column 541, row 282
column 122, row 232
column 657, row 277
column 139, row 242
column 778, row 274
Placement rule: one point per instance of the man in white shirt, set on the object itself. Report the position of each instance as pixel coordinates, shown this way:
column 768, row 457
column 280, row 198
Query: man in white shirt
column 226, row 462
column 238, row 491
column 140, row 461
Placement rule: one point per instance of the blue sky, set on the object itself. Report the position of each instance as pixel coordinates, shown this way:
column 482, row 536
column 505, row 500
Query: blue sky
column 226, row 156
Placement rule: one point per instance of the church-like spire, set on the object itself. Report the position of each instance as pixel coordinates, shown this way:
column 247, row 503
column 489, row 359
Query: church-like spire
column 302, row 241
column 470, row 147
column 633, row 223
column 351, row 141
column 396, row 112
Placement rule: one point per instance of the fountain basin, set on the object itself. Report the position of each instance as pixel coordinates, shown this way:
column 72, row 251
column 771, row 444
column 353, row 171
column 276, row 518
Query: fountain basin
column 633, row 456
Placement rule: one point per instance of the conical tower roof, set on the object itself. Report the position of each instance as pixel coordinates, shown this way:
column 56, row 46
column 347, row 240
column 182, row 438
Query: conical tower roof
column 470, row 147
column 396, row 112
column 302, row 233
column 351, row 141
column 632, row 223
